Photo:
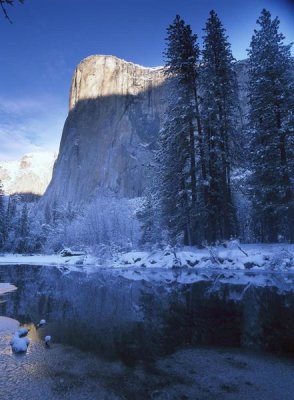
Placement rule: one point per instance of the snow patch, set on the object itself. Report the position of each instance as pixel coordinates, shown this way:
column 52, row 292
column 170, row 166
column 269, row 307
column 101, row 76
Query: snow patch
column 245, row 264
column 6, row 287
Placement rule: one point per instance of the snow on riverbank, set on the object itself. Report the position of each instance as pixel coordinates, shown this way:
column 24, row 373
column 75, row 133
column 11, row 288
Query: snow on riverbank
column 257, row 263
column 8, row 325
column 73, row 262
column 276, row 257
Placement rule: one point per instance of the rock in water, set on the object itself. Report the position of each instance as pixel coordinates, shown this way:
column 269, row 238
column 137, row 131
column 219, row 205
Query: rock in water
column 116, row 112
column 21, row 332
column 19, row 344
column 47, row 340
column 42, row 323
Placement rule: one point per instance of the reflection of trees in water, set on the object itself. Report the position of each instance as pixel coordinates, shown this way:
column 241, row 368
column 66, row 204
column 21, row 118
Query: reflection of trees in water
column 199, row 316
column 196, row 315
column 188, row 315
column 277, row 321
column 142, row 320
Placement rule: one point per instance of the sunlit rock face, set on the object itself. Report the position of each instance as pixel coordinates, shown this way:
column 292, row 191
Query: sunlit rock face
column 31, row 174
column 115, row 114
column 116, row 111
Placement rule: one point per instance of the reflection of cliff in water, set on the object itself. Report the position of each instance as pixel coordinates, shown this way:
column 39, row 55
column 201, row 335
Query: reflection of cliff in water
column 134, row 320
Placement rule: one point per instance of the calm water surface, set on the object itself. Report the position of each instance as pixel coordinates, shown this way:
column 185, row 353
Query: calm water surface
column 119, row 339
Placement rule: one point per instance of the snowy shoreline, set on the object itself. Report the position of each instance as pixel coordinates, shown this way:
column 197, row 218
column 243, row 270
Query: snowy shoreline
column 273, row 257
column 260, row 265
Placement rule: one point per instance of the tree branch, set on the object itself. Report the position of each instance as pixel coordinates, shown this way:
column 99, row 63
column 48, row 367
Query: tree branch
column 5, row 12
column 10, row 2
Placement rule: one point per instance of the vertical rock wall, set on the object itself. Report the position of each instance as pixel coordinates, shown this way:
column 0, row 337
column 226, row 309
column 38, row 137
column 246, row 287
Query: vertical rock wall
column 115, row 113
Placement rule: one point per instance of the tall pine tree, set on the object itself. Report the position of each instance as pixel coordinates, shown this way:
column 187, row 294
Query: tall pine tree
column 174, row 169
column 219, row 110
column 271, row 101
column 3, row 227
column 177, row 154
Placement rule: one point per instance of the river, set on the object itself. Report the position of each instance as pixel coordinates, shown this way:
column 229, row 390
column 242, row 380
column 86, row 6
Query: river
column 120, row 338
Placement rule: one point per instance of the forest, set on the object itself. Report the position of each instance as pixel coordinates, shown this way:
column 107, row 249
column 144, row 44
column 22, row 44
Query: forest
column 218, row 173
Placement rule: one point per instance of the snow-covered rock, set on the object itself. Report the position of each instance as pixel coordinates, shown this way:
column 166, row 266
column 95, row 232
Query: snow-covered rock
column 19, row 344
column 31, row 174
column 67, row 252
column 256, row 264
column 42, row 323
column 279, row 257
column 22, row 331
column 47, row 340
column 116, row 110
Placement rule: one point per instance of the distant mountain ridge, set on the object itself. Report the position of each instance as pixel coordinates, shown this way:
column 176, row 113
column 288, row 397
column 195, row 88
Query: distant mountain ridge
column 31, row 174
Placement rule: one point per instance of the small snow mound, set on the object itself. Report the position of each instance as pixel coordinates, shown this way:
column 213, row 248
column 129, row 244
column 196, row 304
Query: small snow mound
column 67, row 252
column 21, row 332
column 233, row 256
column 47, row 340
column 19, row 344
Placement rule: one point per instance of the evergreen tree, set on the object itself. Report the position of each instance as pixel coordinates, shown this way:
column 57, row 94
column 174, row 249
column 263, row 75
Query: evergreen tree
column 173, row 174
column 24, row 221
column 271, row 101
column 4, row 3
column 177, row 152
column 149, row 216
column 47, row 214
column 219, row 110
column 3, row 227
column 11, row 222
column 23, row 231
column 11, row 208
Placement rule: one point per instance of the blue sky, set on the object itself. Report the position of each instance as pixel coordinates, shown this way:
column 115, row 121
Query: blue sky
column 48, row 38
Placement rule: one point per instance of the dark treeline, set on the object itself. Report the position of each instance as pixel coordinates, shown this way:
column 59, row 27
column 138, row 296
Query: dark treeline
column 204, row 143
column 25, row 230
column 16, row 224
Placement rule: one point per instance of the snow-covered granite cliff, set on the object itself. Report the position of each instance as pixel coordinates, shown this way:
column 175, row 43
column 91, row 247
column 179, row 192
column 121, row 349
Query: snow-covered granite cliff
column 31, row 174
column 115, row 113
column 116, row 110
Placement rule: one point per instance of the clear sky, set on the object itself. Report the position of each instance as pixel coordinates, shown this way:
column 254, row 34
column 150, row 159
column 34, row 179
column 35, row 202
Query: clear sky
column 48, row 38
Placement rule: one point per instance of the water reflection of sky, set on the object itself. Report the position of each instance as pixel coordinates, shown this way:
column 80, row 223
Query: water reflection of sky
column 7, row 324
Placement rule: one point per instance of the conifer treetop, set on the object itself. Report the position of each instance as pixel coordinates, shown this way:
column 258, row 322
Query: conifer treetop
column 182, row 49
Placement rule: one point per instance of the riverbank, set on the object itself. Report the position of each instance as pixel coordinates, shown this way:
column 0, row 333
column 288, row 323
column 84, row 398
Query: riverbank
column 231, row 256
column 64, row 372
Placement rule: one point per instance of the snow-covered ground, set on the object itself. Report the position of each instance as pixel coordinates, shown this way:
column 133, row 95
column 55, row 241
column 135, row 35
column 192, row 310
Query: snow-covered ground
column 254, row 263
column 255, row 257
column 8, row 325
column 74, row 262
column 278, row 257
column 64, row 372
